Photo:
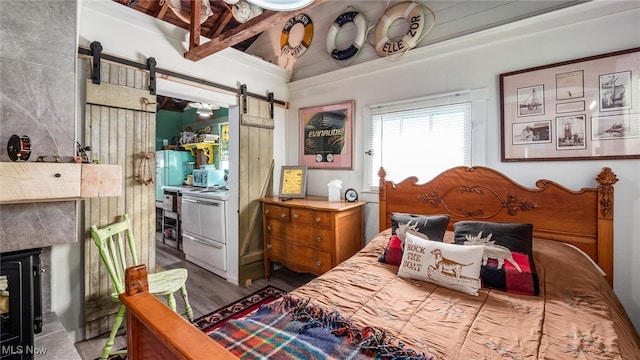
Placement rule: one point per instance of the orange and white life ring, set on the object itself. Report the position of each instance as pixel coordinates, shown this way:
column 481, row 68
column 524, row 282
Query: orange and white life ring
column 286, row 49
column 361, row 24
column 414, row 15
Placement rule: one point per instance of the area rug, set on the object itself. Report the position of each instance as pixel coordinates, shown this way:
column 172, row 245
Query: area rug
column 235, row 310
column 238, row 309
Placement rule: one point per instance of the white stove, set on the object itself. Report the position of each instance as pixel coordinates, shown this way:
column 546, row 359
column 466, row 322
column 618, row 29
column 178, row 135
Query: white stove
column 204, row 228
column 217, row 193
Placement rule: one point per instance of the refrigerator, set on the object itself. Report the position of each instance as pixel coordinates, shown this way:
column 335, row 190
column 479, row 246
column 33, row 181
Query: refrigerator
column 172, row 167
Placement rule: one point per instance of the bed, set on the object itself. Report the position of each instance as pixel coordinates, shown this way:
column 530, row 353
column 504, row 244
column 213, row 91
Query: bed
column 555, row 302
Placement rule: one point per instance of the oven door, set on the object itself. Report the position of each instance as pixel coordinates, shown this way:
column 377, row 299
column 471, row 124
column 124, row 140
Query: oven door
column 204, row 218
column 209, row 254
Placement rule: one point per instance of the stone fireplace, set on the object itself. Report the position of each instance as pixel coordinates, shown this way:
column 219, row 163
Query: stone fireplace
column 38, row 76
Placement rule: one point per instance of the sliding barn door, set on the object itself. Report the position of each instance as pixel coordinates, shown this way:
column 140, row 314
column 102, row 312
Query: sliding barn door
column 256, row 179
column 120, row 129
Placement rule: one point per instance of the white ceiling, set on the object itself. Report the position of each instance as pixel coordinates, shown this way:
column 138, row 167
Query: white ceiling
column 453, row 18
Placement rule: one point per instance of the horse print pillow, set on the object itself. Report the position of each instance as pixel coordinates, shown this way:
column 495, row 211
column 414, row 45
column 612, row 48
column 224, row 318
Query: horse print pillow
column 448, row 265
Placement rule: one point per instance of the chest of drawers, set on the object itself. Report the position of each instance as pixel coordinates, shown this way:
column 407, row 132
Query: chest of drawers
column 312, row 234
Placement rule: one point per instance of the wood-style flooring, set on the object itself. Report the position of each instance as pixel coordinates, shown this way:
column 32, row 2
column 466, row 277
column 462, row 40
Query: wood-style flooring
column 207, row 292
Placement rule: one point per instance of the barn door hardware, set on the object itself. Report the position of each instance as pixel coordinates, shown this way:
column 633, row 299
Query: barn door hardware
column 96, row 51
column 270, row 100
column 243, row 93
column 151, row 66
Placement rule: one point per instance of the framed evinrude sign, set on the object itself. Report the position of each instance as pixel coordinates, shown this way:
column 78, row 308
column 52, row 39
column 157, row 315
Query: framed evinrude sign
column 326, row 134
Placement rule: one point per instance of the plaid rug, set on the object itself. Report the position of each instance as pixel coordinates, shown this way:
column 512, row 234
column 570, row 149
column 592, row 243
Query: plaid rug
column 240, row 308
column 244, row 306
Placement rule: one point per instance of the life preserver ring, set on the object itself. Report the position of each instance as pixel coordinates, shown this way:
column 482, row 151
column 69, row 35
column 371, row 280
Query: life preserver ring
column 296, row 51
column 184, row 13
column 361, row 24
column 413, row 13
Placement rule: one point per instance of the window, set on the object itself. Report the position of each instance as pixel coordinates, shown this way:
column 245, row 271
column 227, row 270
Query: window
column 420, row 137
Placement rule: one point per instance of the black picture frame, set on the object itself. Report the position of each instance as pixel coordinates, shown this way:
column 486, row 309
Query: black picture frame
column 580, row 109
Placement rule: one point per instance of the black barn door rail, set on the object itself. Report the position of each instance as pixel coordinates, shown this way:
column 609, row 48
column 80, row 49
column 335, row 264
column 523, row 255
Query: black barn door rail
column 95, row 51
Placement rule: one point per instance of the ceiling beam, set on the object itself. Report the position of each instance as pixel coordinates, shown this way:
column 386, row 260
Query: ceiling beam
column 194, row 24
column 253, row 27
column 219, row 26
column 163, row 10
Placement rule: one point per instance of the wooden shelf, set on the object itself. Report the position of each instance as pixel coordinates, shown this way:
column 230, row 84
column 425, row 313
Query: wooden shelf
column 206, row 147
column 25, row 182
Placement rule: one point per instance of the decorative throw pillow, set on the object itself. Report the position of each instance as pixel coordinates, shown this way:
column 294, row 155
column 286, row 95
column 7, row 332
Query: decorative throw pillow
column 433, row 227
column 448, row 265
column 393, row 253
column 507, row 262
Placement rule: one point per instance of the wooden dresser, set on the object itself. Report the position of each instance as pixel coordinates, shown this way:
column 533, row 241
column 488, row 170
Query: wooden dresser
column 312, row 234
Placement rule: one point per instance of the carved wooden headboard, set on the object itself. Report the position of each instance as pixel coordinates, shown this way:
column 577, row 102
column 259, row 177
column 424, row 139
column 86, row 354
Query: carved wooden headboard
column 583, row 218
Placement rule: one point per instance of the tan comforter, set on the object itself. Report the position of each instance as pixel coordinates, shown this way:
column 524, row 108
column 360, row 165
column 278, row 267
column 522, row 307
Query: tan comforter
column 576, row 316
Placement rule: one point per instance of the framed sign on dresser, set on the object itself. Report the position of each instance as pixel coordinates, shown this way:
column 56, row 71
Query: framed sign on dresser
column 312, row 234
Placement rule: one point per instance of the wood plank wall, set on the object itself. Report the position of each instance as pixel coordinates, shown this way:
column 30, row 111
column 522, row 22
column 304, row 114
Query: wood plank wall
column 118, row 131
column 256, row 179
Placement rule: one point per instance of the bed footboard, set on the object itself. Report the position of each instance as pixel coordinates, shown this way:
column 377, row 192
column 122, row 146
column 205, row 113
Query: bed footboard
column 154, row 331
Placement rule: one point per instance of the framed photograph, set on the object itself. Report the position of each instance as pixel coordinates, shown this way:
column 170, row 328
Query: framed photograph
column 614, row 127
column 571, row 131
column 293, row 182
column 326, row 134
column 532, row 132
column 581, row 109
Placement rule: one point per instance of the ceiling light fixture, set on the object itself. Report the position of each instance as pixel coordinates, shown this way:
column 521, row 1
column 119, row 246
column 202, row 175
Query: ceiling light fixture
column 203, row 109
column 280, row 5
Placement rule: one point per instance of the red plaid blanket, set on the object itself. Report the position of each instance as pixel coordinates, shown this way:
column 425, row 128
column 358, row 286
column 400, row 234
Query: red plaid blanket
column 293, row 329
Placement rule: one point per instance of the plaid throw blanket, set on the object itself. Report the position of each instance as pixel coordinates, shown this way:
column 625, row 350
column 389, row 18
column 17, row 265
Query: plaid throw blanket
column 293, row 329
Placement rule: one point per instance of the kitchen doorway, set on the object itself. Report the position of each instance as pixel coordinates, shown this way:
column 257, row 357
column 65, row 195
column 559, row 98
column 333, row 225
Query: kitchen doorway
column 190, row 135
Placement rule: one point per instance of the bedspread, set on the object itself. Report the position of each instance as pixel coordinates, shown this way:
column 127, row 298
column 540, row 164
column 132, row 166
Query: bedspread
column 576, row 315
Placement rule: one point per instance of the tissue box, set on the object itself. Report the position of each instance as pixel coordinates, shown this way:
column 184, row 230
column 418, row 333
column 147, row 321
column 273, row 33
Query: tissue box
column 334, row 190
column 334, row 194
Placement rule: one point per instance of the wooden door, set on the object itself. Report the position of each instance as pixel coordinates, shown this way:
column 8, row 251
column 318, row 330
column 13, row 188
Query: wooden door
column 119, row 127
column 256, row 179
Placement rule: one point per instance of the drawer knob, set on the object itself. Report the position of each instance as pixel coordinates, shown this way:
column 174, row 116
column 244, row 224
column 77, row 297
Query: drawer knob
column 318, row 219
column 319, row 238
column 266, row 211
column 283, row 215
column 295, row 216
column 269, row 227
column 268, row 246
column 319, row 262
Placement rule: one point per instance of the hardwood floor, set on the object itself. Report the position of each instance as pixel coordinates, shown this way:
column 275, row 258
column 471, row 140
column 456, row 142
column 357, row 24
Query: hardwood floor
column 207, row 292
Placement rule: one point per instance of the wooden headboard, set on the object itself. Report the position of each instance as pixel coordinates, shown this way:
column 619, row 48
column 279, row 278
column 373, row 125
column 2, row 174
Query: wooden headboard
column 582, row 218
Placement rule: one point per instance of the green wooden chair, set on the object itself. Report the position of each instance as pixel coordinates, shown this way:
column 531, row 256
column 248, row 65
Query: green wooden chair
column 110, row 240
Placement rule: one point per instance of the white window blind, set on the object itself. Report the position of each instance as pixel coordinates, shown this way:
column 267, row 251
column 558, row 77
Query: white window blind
column 420, row 137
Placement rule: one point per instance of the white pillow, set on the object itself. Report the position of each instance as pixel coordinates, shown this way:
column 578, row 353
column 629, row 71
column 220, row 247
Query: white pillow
column 456, row 267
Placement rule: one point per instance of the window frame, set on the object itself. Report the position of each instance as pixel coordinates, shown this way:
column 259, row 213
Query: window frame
column 478, row 115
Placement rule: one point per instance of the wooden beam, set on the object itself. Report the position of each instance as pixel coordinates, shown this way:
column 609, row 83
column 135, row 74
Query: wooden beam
column 243, row 32
column 163, row 10
column 223, row 20
column 194, row 25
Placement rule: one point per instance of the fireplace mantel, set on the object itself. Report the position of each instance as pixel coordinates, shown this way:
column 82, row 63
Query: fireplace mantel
column 28, row 182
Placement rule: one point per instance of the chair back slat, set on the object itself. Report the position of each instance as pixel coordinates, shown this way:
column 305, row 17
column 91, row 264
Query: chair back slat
column 131, row 241
column 113, row 249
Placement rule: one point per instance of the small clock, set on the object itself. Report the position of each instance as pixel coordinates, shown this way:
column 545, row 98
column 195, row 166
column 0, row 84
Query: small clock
column 350, row 195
